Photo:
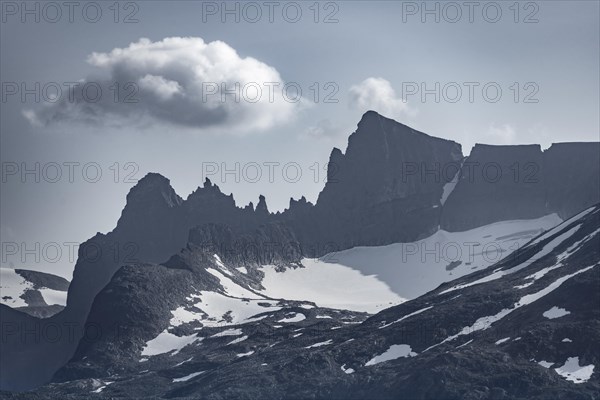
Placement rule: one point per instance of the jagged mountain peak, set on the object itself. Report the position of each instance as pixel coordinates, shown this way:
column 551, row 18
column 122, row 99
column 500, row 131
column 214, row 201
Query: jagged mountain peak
column 261, row 207
column 300, row 202
column 153, row 188
column 208, row 182
column 208, row 188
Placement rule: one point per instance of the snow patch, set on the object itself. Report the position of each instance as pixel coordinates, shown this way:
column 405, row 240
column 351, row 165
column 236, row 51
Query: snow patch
column 502, row 340
column 216, row 306
column 347, row 370
column 166, row 342
column 182, row 316
column 327, row 342
column 232, row 288
column 229, row 332
column 407, row 316
column 449, row 187
column 464, row 344
column 187, row 377
column 238, row 340
column 101, row 388
column 574, row 372
column 296, row 318
column 395, row 351
column 183, row 362
column 556, row 312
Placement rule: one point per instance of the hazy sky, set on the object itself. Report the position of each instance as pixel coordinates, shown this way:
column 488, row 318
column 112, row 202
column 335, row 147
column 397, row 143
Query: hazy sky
column 345, row 57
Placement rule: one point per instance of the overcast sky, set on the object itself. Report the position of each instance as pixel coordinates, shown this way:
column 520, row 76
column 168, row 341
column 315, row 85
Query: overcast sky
column 160, row 68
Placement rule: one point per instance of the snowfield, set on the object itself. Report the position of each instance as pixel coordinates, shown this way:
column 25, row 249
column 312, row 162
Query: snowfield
column 499, row 273
column 370, row 279
column 329, row 285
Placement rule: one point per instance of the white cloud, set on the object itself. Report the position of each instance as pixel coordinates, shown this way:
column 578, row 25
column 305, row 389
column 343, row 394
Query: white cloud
column 178, row 80
column 377, row 94
column 163, row 89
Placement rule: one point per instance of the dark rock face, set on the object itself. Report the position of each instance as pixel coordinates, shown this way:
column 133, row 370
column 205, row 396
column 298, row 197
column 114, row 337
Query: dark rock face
column 387, row 187
column 520, row 182
column 268, row 244
column 571, row 176
column 497, row 183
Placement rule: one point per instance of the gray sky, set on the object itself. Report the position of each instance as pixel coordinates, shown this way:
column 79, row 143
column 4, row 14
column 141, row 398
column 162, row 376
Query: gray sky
column 375, row 56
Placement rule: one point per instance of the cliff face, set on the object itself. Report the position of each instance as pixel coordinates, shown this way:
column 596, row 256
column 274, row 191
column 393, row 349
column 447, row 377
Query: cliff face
column 499, row 183
column 496, row 183
column 571, row 175
column 387, row 187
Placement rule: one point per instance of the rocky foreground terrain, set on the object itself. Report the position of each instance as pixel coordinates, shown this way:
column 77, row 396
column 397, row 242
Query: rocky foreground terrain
column 526, row 327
